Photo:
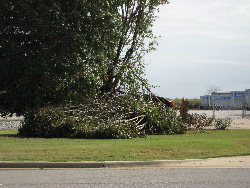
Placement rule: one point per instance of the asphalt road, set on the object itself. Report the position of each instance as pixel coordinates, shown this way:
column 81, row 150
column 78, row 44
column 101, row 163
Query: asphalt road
column 149, row 177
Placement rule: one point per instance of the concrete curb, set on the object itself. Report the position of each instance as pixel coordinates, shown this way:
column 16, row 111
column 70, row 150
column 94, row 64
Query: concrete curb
column 106, row 164
column 159, row 163
column 223, row 162
column 42, row 165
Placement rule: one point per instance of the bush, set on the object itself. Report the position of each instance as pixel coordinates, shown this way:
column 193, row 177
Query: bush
column 47, row 122
column 198, row 121
column 222, row 123
column 103, row 117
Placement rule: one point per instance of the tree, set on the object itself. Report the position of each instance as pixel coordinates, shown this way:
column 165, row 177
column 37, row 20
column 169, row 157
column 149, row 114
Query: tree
column 56, row 51
column 213, row 89
column 124, row 66
column 47, row 49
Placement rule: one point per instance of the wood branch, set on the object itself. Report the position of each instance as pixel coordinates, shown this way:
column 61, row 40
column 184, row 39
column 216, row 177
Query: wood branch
column 141, row 126
column 137, row 123
column 141, row 116
column 140, row 9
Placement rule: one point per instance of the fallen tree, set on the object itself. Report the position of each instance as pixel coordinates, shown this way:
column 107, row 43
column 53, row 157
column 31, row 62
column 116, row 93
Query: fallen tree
column 55, row 54
column 104, row 117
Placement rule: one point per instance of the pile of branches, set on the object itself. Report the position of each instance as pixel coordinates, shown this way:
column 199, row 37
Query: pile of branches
column 105, row 116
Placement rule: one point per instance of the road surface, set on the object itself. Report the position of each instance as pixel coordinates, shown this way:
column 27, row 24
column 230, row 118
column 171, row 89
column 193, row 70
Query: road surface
column 148, row 177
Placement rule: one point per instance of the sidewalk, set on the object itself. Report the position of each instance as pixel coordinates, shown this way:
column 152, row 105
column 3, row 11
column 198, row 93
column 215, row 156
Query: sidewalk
column 224, row 162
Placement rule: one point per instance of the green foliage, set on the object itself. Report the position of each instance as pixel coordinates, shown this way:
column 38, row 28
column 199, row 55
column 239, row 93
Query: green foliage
column 124, row 66
column 98, row 117
column 54, row 51
column 103, row 117
column 222, row 123
column 50, row 124
column 63, row 52
column 200, row 121
column 47, row 49
column 192, row 103
column 47, row 123
column 177, row 101
column 159, row 119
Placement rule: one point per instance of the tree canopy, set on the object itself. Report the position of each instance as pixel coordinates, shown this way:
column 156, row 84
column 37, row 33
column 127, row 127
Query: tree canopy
column 55, row 51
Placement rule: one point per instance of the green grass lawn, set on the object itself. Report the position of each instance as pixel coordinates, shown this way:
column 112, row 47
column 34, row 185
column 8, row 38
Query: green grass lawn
column 193, row 144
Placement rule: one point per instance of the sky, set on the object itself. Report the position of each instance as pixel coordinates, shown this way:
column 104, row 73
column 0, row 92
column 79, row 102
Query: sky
column 203, row 44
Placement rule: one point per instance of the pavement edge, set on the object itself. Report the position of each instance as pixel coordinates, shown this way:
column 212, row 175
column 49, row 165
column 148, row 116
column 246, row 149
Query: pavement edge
column 105, row 164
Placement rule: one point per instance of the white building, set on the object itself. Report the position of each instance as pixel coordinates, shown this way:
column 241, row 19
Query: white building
column 227, row 100
column 247, row 98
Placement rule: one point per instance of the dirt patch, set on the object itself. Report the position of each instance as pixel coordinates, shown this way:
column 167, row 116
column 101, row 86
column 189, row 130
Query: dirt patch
column 240, row 123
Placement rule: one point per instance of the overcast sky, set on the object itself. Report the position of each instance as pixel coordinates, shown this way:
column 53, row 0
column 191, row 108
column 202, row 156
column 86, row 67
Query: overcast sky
column 203, row 44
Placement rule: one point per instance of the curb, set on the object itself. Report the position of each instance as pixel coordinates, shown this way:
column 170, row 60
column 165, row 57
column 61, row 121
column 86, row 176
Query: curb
column 158, row 163
column 42, row 165
column 106, row 164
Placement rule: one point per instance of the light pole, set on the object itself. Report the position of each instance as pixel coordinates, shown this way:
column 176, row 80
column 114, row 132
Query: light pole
column 213, row 106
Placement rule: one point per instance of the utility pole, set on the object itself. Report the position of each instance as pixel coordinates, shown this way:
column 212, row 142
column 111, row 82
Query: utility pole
column 213, row 107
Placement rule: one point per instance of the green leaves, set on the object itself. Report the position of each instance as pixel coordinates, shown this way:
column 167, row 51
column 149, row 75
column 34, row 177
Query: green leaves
column 55, row 51
column 46, row 50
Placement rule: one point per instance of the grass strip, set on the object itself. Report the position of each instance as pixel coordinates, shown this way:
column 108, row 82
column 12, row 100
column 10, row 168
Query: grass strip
column 193, row 144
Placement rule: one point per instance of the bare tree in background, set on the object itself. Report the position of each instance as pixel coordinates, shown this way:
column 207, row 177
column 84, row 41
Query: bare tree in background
column 213, row 89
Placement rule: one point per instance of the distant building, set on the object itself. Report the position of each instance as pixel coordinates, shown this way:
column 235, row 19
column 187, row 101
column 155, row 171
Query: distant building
column 227, row 100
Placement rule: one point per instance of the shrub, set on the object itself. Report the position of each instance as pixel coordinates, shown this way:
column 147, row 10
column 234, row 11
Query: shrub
column 222, row 123
column 47, row 122
column 198, row 121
